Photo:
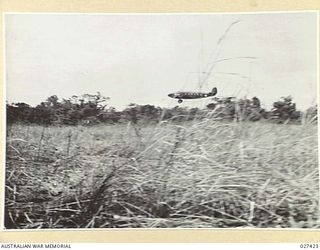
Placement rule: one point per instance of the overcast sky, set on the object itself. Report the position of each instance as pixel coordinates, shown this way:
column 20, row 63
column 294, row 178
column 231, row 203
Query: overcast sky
column 142, row 58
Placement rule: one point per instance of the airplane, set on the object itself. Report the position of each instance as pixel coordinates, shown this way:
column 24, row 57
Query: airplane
column 192, row 95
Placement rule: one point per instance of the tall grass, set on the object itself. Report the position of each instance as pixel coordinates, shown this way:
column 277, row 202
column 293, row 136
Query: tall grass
column 197, row 174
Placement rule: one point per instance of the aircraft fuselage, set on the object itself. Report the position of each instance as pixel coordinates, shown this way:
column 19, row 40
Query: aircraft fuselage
column 189, row 95
column 192, row 95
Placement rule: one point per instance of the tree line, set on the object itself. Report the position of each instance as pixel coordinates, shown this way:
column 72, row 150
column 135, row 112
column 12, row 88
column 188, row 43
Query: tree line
column 89, row 109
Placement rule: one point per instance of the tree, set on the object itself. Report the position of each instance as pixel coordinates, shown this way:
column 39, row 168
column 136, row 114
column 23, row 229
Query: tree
column 240, row 109
column 18, row 112
column 284, row 110
column 311, row 114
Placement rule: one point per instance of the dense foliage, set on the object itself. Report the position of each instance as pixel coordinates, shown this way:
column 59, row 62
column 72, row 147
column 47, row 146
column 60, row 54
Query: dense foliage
column 90, row 109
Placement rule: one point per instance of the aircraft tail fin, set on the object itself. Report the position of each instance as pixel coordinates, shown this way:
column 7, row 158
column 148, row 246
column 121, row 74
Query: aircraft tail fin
column 213, row 92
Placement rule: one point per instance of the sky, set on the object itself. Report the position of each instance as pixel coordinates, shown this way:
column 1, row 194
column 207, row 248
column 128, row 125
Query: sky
column 141, row 58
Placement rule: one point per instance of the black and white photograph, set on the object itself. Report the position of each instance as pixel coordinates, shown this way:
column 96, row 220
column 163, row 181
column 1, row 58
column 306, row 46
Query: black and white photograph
column 189, row 120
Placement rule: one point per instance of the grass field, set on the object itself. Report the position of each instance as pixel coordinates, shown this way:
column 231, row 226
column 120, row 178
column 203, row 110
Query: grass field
column 198, row 174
